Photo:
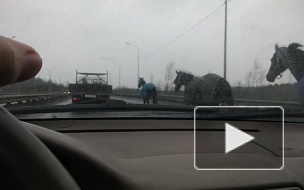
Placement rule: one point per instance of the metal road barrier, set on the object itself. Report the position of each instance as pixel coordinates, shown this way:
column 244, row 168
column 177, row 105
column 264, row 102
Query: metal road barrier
column 18, row 99
column 238, row 102
column 242, row 102
column 266, row 103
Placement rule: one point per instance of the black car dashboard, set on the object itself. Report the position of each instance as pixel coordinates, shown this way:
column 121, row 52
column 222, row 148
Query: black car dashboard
column 159, row 154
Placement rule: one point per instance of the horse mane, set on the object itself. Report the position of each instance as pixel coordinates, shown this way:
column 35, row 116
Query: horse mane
column 293, row 57
column 186, row 72
column 141, row 82
column 294, row 47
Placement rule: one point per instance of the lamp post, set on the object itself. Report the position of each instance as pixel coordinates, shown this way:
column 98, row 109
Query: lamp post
column 119, row 78
column 225, row 43
column 137, row 58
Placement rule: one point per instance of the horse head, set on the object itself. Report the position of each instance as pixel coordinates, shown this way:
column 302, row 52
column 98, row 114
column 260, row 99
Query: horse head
column 181, row 79
column 277, row 66
column 176, row 81
column 141, row 82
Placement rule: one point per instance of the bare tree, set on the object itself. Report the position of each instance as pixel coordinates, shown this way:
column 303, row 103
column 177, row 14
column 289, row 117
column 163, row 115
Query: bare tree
column 169, row 75
column 255, row 73
column 159, row 86
column 262, row 77
column 248, row 78
column 256, row 76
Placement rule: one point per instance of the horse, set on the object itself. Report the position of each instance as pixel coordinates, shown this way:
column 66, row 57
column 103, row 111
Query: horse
column 292, row 58
column 148, row 91
column 209, row 90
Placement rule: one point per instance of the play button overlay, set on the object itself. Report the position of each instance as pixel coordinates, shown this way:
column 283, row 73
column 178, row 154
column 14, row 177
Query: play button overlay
column 235, row 138
column 238, row 138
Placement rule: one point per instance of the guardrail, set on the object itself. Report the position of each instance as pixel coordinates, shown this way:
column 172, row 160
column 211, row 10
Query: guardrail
column 239, row 102
column 21, row 99
column 267, row 103
column 245, row 102
column 18, row 99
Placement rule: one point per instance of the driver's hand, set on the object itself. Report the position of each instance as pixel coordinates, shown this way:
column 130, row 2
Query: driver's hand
column 18, row 61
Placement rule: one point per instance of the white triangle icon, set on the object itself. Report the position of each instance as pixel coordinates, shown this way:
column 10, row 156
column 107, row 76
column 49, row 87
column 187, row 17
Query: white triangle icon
column 235, row 138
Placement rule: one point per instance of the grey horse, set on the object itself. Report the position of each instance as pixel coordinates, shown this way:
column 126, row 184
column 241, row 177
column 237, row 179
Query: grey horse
column 292, row 58
column 209, row 90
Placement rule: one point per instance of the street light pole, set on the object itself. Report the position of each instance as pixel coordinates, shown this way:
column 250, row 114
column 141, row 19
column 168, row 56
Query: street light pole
column 119, row 88
column 225, row 43
column 110, row 78
column 137, row 58
column 107, row 77
column 119, row 78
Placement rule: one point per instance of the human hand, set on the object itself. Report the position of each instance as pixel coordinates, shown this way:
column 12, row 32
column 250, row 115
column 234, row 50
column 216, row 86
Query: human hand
column 18, row 61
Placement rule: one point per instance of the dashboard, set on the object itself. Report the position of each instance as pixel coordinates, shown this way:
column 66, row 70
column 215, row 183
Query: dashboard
column 159, row 154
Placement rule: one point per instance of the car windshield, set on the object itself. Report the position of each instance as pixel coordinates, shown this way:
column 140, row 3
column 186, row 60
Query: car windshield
column 172, row 53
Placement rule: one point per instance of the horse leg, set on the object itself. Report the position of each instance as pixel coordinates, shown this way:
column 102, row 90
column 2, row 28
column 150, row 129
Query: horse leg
column 154, row 96
column 148, row 96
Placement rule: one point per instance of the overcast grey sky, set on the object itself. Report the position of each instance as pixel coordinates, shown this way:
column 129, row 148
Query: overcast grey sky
column 91, row 35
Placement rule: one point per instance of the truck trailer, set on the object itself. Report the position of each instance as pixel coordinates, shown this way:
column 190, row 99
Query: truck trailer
column 90, row 88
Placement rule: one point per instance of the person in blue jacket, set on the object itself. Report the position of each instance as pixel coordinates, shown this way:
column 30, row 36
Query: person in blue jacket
column 148, row 91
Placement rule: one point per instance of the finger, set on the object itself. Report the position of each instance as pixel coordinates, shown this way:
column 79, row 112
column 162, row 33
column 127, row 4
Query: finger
column 18, row 61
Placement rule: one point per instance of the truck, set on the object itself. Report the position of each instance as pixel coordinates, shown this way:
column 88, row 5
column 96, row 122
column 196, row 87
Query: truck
column 90, row 88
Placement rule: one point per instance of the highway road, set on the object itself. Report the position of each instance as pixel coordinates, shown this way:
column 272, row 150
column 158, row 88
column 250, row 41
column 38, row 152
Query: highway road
column 129, row 100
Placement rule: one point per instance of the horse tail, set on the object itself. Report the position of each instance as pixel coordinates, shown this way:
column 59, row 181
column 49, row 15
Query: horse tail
column 154, row 95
